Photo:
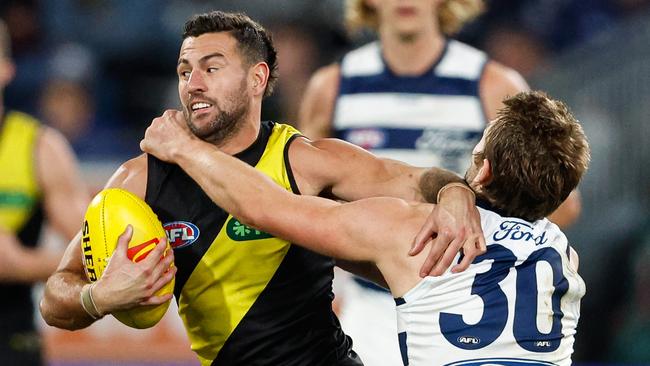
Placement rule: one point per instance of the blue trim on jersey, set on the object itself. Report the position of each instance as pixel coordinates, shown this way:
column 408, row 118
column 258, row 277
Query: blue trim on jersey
column 400, row 138
column 424, row 84
column 369, row 285
column 427, row 83
column 484, row 204
column 400, row 301
column 403, row 348
column 503, row 361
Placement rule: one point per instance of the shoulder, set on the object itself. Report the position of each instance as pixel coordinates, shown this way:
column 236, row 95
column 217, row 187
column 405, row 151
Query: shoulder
column 497, row 83
column 323, row 163
column 460, row 60
column 309, row 161
column 325, row 80
column 498, row 77
column 52, row 141
column 320, row 152
column 316, row 110
column 54, row 156
column 365, row 60
column 131, row 175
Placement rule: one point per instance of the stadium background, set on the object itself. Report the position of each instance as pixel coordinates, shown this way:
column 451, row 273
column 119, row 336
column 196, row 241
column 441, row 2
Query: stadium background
column 101, row 70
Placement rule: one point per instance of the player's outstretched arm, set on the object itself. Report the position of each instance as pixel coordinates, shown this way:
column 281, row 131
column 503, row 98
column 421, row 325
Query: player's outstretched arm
column 123, row 285
column 343, row 231
column 351, row 173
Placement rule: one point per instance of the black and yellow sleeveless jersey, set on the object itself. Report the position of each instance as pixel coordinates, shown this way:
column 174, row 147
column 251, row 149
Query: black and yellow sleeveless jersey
column 247, row 298
column 20, row 207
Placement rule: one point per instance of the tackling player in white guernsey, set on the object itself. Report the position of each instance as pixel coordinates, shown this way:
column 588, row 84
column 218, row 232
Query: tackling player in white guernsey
column 517, row 304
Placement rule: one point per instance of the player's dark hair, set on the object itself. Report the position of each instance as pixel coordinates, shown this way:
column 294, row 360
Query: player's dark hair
column 255, row 43
column 538, row 153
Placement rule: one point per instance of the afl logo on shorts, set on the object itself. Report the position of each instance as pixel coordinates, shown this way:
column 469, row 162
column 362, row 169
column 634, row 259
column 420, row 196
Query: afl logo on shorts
column 181, row 233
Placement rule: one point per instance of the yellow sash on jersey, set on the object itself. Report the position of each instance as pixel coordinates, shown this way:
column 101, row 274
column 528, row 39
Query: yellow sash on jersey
column 19, row 189
column 236, row 268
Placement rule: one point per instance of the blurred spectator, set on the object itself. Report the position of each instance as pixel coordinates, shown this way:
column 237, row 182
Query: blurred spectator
column 298, row 57
column 68, row 106
column 40, row 180
column 517, row 49
column 29, row 52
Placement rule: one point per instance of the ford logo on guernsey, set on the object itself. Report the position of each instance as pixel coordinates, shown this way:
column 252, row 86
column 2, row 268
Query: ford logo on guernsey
column 181, row 233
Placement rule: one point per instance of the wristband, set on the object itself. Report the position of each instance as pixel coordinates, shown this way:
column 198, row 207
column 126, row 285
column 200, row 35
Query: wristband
column 88, row 303
column 454, row 184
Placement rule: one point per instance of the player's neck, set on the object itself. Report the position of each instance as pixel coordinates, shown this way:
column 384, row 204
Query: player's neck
column 244, row 137
column 412, row 56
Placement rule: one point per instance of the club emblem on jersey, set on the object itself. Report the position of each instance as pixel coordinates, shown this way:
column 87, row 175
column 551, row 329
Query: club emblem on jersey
column 238, row 231
column 181, row 233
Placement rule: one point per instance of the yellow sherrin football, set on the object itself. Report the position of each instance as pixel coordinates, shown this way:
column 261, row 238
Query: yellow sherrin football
column 106, row 219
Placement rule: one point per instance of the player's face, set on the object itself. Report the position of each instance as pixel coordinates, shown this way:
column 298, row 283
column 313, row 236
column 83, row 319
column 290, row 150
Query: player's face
column 406, row 18
column 212, row 85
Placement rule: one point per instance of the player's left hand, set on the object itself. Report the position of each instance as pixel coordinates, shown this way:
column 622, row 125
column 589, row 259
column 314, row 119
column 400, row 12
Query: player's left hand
column 454, row 224
column 166, row 135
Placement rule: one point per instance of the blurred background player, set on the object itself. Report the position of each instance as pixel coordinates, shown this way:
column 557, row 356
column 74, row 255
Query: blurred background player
column 40, row 180
column 414, row 95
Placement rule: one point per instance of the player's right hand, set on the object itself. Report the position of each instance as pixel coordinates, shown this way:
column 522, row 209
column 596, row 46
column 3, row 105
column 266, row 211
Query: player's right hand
column 166, row 135
column 125, row 284
column 454, row 224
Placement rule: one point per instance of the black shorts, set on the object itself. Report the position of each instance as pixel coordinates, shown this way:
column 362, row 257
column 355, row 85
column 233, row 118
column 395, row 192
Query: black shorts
column 20, row 348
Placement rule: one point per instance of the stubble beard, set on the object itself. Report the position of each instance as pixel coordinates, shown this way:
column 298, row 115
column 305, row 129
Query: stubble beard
column 226, row 123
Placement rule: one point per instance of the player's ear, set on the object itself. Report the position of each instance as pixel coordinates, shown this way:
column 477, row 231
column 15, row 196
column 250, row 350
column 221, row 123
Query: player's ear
column 484, row 175
column 259, row 76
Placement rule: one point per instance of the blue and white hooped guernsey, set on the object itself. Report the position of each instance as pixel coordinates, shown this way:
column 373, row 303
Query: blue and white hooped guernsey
column 434, row 119
column 516, row 305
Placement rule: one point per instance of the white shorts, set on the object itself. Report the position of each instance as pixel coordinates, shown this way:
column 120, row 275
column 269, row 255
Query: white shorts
column 368, row 316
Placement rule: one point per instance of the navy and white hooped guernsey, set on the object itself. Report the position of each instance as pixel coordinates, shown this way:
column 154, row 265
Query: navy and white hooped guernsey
column 434, row 119
column 516, row 305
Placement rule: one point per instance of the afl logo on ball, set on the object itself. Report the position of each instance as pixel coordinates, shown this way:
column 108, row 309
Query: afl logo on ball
column 181, row 233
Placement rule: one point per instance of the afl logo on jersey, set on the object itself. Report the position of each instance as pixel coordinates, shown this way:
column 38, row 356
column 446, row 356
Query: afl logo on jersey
column 469, row 340
column 181, row 233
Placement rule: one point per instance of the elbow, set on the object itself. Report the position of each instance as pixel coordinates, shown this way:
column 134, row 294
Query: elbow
column 50, row 317
column 59, row 313
column 57, row 321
